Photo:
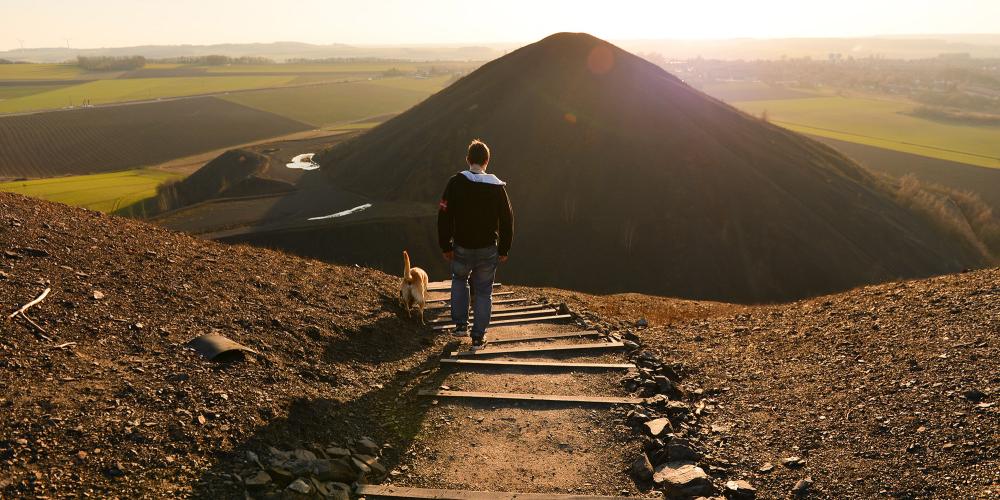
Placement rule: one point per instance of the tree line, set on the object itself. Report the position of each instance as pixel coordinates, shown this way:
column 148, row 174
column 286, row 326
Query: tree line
column 110, row 63
column 216, row 60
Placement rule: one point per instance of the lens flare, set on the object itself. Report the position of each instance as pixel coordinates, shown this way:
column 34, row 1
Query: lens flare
column 600, row 60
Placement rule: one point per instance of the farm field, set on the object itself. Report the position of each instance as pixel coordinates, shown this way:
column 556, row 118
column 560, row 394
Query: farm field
column 42, row 72
column 751, row 91
column 16, row 91
column 336, row 103
column 882, row 123
column 983, row 181
column 108, row 192
column 136, row 89
column 96, row 140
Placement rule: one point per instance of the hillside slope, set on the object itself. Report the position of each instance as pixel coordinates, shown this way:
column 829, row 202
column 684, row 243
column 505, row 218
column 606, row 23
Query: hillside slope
column 886, row 391
column 124, row 409
column 889, row 389
column 624, row 178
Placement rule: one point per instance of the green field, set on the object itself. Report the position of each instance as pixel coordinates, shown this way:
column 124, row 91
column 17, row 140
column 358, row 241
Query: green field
column 343, row 102
column 104, row 192
column 40, row 72
column 884, row 124
column 16, row 91
column 136, row 89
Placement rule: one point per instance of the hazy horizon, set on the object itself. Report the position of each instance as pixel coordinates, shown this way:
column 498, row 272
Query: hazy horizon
column 117, row 23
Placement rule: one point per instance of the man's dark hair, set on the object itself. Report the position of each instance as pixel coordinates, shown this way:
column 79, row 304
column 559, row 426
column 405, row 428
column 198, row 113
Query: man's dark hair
column 479, row 154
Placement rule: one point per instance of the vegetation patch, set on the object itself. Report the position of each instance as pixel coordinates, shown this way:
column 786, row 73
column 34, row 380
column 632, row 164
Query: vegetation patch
column 885, row 124
column 137, row 89
column 108, row 192
column 95, row 140
column 324, row 105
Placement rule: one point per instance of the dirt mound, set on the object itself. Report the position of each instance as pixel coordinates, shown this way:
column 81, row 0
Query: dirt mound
column 115, row 405
column 233, row 174
column 624, row 178
column 884, row 391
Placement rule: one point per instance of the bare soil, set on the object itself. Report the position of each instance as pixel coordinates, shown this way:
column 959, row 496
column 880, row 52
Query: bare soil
column 106, row 139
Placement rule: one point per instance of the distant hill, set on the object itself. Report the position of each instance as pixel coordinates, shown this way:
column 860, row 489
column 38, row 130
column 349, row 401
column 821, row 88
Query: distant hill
column 278, row 51
column 625, row 178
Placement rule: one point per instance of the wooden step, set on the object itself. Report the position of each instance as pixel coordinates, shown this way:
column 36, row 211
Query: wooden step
column 534, row 319
column 495, row 302
column 540, row 348
column 553, row 365
column 506, row 308
column 502, row 314
column 543, row 336
column 496, row 294
column 445, row 286
column 510, row 396
column 390, row 491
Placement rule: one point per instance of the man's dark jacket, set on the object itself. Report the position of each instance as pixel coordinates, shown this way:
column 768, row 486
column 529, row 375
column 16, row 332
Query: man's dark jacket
column 474, row 215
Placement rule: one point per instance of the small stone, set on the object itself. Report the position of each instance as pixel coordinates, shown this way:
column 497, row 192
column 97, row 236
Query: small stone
column 259, row 480
column 792, row 462
column 300, row 486
column 683, row 479
column 201, row 420
column 802, row 486
column 360, row 466
column 304, row 455
column 21, row 441
column 98, row 295
column 337, row 470
column 366, row 446
column 657, row 426
column 642, row 470
column 334, row 452
column 974, row 395
column 767, row 467
column 642, row 323
column 81, row 454
column 378, row 471
column 280, row 475
column 740, row 489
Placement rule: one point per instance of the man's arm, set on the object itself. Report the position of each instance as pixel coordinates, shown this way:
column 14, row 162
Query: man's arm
column 506, row 225
column 446, row 222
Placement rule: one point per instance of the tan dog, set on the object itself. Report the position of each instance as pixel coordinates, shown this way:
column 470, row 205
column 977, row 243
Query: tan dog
column 413, row 291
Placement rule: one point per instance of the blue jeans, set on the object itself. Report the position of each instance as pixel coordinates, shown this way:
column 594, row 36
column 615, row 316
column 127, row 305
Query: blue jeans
column 481, row 265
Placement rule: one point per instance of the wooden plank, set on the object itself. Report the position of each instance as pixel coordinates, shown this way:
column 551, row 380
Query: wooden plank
column 541, row 348
column 538, row 364
column 542, row 336
column 502, row 314
column 445, row 286
column 511, row 396
column 495, row 302
column 390, row 491
column 497, row 294
column 507, row 309
column 533, row 319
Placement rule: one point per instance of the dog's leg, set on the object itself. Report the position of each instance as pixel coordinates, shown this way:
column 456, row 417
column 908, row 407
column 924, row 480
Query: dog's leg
column 422, row 322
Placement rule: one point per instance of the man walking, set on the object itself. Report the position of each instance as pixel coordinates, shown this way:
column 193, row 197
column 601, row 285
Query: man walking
column 475, row 229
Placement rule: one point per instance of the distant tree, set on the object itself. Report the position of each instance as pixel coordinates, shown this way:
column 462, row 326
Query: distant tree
column 110, row 63
column 6, row 61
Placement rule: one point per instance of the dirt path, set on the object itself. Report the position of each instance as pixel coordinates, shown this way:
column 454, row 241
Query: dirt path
column 495, row 445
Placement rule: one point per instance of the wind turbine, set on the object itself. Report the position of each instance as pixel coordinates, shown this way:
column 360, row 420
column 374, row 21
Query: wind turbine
column 20, row 41
column 67, row 42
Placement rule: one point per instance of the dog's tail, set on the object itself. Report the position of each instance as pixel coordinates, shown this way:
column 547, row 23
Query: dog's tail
column 406, row 264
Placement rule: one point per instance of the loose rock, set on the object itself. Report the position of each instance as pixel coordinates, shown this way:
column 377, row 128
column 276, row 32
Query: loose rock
column 683, row 479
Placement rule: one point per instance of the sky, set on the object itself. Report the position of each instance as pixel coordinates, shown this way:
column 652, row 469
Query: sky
column 116, row 23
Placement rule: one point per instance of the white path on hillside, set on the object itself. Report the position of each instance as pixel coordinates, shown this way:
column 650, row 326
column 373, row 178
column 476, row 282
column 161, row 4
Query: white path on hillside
column 303, row 161
column 360, row 208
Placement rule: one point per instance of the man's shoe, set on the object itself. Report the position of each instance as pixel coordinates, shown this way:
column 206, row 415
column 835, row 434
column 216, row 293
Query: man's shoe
column 460, row 331
column 478, row 345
